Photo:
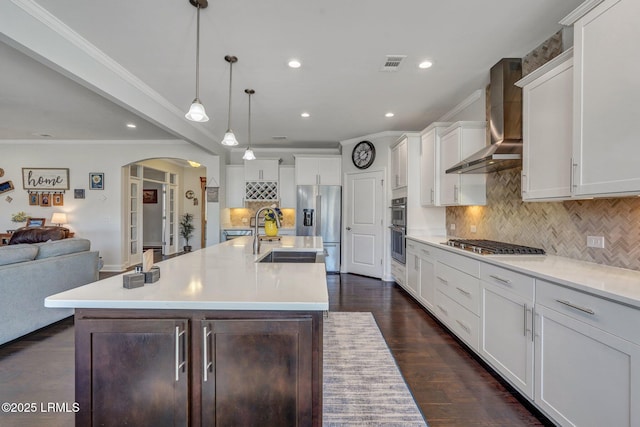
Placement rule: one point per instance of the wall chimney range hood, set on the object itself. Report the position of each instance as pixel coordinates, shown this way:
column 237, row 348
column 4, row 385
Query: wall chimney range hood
column 505, row 123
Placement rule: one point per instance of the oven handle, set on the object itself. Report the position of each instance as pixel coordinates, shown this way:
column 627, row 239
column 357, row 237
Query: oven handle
column 398, row 228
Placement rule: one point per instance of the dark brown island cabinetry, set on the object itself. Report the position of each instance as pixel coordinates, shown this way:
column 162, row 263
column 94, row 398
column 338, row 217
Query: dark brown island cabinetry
column 198, row 368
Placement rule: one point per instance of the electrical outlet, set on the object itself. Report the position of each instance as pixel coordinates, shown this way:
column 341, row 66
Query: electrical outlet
column 595, row 242
column 473, row 229
column 452, row 227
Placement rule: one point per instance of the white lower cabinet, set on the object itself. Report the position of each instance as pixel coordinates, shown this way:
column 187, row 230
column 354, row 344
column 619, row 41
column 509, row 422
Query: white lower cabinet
column 574, row 355
column 398, row 272
column 584, row 375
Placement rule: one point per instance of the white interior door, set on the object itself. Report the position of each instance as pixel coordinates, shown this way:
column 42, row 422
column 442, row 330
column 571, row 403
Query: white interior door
column 134, row 216
column 364, row 223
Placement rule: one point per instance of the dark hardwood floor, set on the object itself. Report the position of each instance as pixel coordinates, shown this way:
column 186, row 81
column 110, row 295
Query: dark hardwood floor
column 450, row 386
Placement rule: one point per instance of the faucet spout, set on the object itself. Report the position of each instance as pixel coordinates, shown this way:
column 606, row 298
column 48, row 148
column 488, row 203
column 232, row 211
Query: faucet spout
column 256, row 237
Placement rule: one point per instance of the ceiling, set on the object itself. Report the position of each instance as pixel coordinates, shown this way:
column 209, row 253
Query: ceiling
column 341, row 45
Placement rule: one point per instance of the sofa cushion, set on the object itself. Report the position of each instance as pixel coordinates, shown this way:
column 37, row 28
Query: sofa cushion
column 38, row 234
column 17, row 253
column 62, row 247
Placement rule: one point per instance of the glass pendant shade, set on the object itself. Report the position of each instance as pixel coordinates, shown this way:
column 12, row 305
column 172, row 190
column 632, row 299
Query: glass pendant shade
column 248, row 154
column 229, row 139
column 196, row 112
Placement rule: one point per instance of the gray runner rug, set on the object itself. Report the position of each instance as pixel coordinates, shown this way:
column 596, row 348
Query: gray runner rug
column 362, row 383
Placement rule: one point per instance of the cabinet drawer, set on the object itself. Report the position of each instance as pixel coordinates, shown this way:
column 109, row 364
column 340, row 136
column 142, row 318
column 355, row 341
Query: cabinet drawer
column 423, row 250
column 617, row 319
column 398, row 272
column 521, row 284
column 459, row 286
column 461, row 321
column 460, row 262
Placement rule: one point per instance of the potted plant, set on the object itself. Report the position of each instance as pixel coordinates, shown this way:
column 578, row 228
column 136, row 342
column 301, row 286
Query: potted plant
column 186, row 229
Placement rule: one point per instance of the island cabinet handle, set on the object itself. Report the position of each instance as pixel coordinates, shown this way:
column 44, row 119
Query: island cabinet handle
column 443, row 280
column 463, row 326
column 442, row 309
column 463, row 292
column 500, row 279
column 206, row 363
column 181, row 359
column 577, row 307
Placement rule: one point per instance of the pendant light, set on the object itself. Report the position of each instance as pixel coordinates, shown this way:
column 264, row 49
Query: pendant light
column 248, row 153
column 196, row 112
column 229, row 137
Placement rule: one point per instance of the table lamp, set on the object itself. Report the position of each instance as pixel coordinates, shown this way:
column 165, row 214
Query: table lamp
column 59, row 218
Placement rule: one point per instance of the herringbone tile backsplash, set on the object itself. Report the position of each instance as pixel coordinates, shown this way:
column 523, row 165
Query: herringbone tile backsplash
column 560, row 228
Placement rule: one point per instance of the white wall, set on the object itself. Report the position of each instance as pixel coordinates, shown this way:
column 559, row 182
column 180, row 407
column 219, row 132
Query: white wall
column 98, row 217
column 152, row 215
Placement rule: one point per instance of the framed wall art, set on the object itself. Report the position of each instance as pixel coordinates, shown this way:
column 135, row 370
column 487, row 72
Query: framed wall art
column 78, row 193
column 35, row 222
column 45, row 199
column 212, row 194
column 6, row 186
column 34, row 199
column 149, row 196
column 96, row 181
column 45, row 179
column 57, row 199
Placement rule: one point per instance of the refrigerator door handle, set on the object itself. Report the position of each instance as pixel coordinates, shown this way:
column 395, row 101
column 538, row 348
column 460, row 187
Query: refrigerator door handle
column 318, row 224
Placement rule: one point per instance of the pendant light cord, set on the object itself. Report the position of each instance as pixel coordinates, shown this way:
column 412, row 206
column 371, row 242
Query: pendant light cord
column 249, row 121
column 230, row 80
column 198, row 54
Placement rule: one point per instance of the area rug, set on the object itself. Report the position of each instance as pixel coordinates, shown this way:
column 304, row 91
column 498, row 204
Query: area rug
column 362, row 383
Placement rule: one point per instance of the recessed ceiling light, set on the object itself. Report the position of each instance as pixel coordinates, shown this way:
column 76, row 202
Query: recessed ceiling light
column 305, row 115
column 131, row 125
column 389, row 114
column 294, row 63
column 425, row 64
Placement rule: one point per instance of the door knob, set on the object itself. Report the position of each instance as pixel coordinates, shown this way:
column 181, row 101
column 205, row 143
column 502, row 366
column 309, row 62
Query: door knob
column 348, row 228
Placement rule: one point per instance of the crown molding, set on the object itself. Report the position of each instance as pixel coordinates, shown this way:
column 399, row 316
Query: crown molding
column 476, row 95
column 579, row 12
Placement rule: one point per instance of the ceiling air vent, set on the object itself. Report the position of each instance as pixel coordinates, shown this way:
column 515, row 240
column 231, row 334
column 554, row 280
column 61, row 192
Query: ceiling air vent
column 392, row 62
column 279, row 137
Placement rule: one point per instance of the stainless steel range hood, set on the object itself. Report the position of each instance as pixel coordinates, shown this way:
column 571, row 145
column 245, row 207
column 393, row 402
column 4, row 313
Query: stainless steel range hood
column 505, row 123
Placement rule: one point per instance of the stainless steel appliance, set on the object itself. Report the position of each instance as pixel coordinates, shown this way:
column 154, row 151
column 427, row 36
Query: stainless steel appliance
column 231, row 233
column 398, row 229
column 318, row 213
column 491, row 247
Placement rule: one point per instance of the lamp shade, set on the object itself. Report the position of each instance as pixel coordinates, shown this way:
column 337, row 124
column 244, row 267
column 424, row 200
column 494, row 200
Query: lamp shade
column 248, row 154
column 229, row 139
column 196, row 112
column 59, row 218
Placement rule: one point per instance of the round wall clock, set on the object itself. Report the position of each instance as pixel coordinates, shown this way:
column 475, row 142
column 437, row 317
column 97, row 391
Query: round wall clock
column 189, row 194
column 363, row 155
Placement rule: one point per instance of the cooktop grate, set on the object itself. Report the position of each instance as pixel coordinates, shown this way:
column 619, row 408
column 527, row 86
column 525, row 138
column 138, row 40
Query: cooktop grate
column 491, row 247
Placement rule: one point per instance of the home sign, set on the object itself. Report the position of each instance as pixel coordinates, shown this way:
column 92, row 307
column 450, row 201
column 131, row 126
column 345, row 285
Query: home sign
column 45, row 179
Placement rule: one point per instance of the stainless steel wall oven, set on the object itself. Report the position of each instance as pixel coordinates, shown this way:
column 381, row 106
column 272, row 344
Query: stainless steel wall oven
column 398, row 229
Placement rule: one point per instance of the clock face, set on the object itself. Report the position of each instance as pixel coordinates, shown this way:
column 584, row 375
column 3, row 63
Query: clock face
column 364, row 153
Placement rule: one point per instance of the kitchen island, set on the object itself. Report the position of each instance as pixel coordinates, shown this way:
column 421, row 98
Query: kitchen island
column 220, row 339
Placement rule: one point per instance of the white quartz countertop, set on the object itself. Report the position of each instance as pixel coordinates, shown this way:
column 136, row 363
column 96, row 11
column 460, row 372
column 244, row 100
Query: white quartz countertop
column 617, row 284
column 220, row 277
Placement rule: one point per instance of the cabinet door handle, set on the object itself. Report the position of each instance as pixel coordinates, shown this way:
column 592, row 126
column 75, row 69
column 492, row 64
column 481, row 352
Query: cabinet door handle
column 206, row 363
column 432, row 196
column 463, row 292
column 577, row 307
column 426, row 252
column 465, row 327
column 416, row 263
column 180, row 351
column 525, row 312
column 523, row 181
column 443, row 280
column 455, row 193
column 533, row 323
column 501, row 280
column 572, row 179
column 443, row 310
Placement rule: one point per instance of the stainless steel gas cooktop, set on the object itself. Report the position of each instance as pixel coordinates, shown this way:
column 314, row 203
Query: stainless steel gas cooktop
column 491, row 247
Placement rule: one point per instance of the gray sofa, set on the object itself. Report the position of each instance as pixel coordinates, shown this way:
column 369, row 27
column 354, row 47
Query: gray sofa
column 31, row 272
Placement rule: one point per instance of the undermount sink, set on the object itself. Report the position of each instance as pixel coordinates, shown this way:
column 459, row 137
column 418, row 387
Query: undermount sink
column 293, row 256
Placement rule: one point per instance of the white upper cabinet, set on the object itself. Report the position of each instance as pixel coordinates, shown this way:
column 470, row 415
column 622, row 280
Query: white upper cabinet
column 430, row 164
column 287, row 187
column 547, row 95
column 606, row 108
column 458, row 141
column 261, row 170
column 235, row 186
column 318, row 170
column 399, row 164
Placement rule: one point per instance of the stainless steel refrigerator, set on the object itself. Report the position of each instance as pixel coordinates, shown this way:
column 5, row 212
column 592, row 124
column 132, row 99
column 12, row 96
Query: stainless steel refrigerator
column 319, row 213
